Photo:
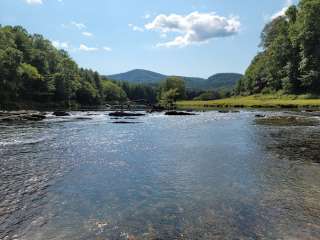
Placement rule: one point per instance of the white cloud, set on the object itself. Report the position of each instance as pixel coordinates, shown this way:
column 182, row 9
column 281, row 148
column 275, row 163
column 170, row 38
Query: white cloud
column 80, row 26
column 34, row 2
column 135, row 28
column 108, row 49
column 147, row 16
column 282, row 12
column 163, row 35
column 60, row 45
column 87, row 34
column 194, row 28
column 86, row 48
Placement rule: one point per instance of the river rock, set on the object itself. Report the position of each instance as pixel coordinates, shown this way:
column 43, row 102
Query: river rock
column 288, row 121
column 21, row 116
column 126, row 114
column 124, row 122
column 61, row 114
column 176, row 113
column 156, row 108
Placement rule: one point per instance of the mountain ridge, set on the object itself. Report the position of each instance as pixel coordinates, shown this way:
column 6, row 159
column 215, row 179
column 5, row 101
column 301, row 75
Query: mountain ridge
column 217, row 81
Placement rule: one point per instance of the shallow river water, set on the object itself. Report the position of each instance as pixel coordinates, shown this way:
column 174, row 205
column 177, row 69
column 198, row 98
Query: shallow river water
column 210, row 176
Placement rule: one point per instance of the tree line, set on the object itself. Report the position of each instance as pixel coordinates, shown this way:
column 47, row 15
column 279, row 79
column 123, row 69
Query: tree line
column 290, row 58
column 33, row 71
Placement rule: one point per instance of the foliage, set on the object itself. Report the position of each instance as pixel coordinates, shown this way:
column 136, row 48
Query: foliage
column 210, row 95
column 112, row 92
column 139, row 92
column 33, row 70
column 171, row 90
column 290, row 59
column 216, row 82
column 255, row 101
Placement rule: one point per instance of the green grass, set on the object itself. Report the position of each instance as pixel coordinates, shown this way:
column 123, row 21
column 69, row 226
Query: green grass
column 256, row 101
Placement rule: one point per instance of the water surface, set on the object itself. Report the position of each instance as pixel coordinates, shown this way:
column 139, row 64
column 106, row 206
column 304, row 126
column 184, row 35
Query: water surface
column 210, row 176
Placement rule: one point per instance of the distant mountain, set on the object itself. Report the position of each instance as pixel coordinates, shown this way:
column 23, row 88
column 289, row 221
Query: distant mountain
column 218, row 81
column 223, row 80
column 139, row 76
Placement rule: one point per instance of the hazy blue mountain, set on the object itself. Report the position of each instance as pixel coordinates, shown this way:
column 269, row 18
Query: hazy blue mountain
column 218, row 81
column 139, row 76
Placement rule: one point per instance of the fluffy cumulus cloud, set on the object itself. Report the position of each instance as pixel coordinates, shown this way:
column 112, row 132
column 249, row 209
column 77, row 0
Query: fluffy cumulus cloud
column 85, row 48
column 282, row 12
column 194, row 28
column 34, row 2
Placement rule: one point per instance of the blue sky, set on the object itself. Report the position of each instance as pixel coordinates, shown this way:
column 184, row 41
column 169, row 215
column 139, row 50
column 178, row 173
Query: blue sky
column 180, row 37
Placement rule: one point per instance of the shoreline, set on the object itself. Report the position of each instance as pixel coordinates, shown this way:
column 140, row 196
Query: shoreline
column 254, row 102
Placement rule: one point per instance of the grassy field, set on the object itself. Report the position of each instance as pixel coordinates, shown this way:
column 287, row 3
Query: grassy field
column 255, row 101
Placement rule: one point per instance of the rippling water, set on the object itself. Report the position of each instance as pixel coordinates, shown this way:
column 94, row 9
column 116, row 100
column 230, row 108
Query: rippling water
column 211, row 176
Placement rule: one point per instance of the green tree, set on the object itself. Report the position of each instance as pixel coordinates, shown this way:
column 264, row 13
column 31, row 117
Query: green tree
column 112, row 92
column 290, row 58
column 87, row 94
column 10, row 60
column 32, row 82
column 173, row 83
column 33, row 70
column 308, row 35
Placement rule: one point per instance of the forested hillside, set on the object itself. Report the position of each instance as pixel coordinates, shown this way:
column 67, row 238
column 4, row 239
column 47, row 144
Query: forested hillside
column 217, row 82
column 290, row 59
column 220, row 81
column 32, row 71
column 139, row 76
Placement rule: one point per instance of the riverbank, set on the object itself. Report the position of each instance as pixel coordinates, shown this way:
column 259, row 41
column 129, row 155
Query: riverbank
column 254, row 101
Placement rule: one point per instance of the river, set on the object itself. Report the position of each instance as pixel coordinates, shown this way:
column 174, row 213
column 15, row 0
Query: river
column 210, row 176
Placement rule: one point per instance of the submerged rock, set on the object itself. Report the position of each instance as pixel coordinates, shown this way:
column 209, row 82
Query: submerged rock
column 84, row 118
column 125, row 122
column 156, row 108
column 34, row 117
column 21, row 116
column 176, row 113
column 310, row 112
column 288, row 121
column 228, row 111
column 61, row 114
column 126, row 114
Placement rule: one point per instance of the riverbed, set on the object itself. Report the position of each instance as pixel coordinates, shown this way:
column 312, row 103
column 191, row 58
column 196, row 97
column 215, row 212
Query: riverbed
column 209, row 176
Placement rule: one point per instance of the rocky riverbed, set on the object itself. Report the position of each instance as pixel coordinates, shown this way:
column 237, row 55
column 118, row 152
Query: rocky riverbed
column 22, row 116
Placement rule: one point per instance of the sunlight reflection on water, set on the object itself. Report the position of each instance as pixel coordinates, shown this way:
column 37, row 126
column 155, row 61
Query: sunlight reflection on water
column 210, row 176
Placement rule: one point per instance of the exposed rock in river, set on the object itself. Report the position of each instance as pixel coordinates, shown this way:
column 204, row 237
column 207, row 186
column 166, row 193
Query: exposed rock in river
column 125, row 122
column 125, row 114
column 61, row 114
column 21, row 116
column 176, row 113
